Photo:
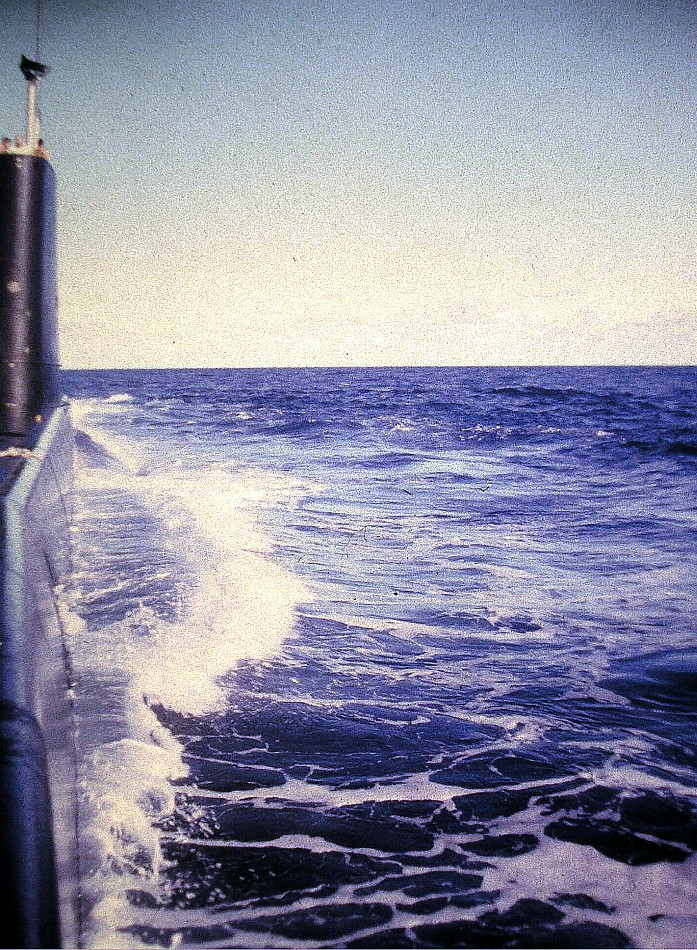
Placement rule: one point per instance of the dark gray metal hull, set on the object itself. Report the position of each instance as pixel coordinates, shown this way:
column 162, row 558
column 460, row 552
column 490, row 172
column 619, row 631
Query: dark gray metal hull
column 38, row 820
column 38, row 817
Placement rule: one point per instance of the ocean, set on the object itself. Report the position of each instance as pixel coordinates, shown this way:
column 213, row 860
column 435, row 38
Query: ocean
column 388, row 658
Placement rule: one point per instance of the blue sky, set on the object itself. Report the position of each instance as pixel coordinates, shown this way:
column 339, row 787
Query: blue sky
column 369, row 182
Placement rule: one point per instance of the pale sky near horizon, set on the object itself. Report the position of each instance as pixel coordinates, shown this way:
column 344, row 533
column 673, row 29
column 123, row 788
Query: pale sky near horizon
column 368, row 182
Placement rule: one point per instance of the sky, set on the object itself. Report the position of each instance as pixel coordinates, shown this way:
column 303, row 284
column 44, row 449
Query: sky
column 368, row 182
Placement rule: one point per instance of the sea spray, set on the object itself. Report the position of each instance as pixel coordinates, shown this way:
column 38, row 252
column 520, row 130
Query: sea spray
column 141, row 526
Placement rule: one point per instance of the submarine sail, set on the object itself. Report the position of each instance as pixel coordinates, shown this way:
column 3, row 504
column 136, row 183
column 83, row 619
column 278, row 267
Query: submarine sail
column 28, row 318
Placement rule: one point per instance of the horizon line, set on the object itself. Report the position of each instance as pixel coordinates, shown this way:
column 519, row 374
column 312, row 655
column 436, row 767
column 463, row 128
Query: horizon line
column 169, row 369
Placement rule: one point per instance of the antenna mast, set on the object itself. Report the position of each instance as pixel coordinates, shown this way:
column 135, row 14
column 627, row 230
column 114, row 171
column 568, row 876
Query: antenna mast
column 38, row 30
column 33, row 71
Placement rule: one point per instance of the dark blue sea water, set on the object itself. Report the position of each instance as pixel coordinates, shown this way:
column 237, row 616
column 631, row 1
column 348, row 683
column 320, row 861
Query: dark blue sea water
column 387, row 657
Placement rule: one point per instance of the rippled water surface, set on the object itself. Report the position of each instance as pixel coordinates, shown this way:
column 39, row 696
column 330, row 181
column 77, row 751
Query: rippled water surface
column 387, row 658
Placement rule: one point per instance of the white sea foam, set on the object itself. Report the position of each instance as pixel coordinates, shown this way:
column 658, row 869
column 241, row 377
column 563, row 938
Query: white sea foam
column 126, row 761
column 234, row 603
column 119, row 398
column 559, row 867
column 242, row 604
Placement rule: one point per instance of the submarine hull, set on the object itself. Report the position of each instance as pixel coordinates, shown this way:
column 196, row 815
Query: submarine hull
column 38, row 821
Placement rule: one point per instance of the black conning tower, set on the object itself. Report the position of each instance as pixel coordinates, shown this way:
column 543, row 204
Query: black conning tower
column 28, row 306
